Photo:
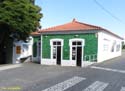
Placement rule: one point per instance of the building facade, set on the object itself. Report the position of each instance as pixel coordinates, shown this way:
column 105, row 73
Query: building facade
column 22, row 50
column 74, row 44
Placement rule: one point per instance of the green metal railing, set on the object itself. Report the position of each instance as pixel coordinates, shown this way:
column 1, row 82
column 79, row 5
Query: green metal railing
column 92, row 57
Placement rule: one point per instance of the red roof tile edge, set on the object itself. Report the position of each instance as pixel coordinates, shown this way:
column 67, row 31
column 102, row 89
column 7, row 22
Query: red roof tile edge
column 90, row 27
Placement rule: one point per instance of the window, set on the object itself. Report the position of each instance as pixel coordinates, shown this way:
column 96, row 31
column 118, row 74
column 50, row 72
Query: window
column 54, row 52
column 73, row 53
column 55, row 44
column 79, row 43
column 18, row 49
column 113, row 46
column 105, row 47
column 75, row 44
column 118, row 48
column 106, row 43
column 58, row 43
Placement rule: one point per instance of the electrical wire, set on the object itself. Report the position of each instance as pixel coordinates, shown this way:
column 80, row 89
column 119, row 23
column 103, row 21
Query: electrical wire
column 107, row 11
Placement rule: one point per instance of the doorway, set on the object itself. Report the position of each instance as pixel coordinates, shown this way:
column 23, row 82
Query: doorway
column 39, row 50
column 79, row 56
column 58, row 59
column 76, row 52
column 56, row 51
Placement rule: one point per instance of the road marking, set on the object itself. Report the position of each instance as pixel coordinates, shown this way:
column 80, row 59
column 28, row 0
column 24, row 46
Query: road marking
column 109, row 69
column 122, row 89
column 96, row 86
column 9, row 67
column 66, row 84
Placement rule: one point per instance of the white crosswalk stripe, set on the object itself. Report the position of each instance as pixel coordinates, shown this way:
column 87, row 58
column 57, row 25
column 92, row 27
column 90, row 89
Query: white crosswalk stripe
column 96, row 86
column 108, row 69
column 66, row 84
column 122, row 89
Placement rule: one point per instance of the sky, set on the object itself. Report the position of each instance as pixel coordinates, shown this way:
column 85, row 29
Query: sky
column 110, row 15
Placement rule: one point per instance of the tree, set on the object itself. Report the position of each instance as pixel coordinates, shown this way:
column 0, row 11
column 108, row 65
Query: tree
column 123, row 45
column 18, row 18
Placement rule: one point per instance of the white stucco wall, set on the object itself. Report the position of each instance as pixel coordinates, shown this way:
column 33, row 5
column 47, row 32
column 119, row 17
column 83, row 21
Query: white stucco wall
column 105, row 44
column 26, row 50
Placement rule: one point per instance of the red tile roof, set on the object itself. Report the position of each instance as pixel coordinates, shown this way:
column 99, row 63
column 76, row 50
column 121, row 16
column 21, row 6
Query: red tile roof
column 73, row 26
column 35, row 33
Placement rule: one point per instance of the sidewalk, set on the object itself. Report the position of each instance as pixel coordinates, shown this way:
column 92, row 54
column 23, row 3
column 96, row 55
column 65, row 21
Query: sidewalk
column 9, row 66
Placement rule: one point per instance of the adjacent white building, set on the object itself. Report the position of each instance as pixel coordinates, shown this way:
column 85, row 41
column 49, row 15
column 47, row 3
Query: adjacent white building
column 22, row 50
column 109, row 46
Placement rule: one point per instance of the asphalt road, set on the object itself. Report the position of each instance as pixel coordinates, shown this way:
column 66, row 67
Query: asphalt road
column 106, row 76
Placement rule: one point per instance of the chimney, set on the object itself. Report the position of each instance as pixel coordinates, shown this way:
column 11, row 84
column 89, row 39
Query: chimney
column 73, row 20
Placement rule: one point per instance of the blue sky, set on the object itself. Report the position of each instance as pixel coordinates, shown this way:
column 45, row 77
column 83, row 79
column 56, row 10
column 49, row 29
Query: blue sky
column 56, row 12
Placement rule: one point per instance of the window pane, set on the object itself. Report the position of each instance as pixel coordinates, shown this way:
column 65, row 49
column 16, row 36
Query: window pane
column 54, row 43
column 54, row 56
column 54, row 52
column 73, row 43
column 118, row 48
column 73, row 57
column 73, row 48
column 54, row 49
column 79, row 43
column 105, row 47
column 58, row 43
column 73, row 53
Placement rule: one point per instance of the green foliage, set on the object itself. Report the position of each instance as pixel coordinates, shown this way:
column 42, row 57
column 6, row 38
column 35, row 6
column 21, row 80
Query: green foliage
column 123, row 45
column 20, row 16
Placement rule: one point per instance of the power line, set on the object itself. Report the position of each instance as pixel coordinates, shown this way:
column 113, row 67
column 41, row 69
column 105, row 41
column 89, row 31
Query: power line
column 107, row 11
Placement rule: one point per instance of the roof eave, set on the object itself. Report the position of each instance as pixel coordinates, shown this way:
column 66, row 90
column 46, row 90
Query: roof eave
column 71, row 31
column 112, row 33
